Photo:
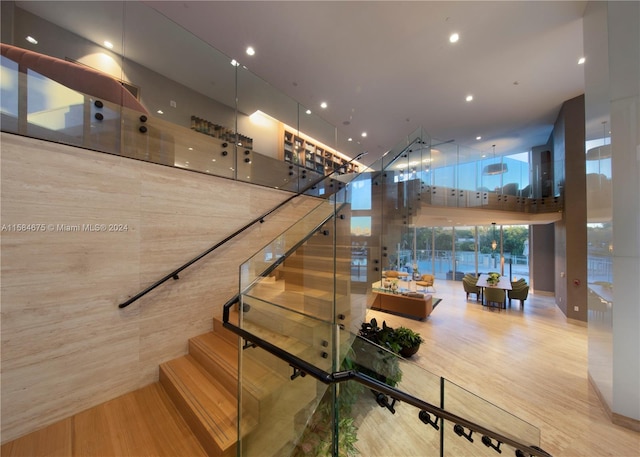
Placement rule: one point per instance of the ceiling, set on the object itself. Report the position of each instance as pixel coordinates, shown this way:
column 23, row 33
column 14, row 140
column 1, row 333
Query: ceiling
column 384, row 67
column 387, row 67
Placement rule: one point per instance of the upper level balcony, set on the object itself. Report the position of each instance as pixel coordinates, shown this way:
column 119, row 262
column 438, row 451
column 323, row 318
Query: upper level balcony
column 141, row 97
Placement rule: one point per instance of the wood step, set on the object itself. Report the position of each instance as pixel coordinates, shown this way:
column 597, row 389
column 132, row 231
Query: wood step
column 220, row 359
column 208, row 408
column 297, row 335
column 299, row 278
column 324, row 262
column 268, row 392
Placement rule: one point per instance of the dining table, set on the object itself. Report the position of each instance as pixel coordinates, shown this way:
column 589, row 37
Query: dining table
column 503, row 283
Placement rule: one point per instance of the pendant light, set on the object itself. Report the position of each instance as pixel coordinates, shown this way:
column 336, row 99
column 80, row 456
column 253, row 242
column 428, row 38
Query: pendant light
column 495, row 168
column 494, row 243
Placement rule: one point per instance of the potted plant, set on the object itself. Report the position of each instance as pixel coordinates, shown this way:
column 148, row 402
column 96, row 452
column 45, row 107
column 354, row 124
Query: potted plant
column 408, row 340
column 493, row 278
column 377, row 363
column 401, row 340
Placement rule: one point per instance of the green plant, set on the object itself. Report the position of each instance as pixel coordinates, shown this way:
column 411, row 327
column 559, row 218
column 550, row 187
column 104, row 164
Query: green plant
column 373, row 361
column 407, row 338
column 493, row 278
column 317, row 437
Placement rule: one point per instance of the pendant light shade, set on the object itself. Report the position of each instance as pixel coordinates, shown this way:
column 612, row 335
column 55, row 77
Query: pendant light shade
column 495, row 169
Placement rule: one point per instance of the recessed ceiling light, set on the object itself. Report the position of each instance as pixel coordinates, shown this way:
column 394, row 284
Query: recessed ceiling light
column 364, row 134
column 308, row 111
column 469, row 98
column 454, row 38
column 251, row 51
column 478, row 138
column 160, row 111
column 31, row 40
column 235, row 63
column 190, row 149
column 323, row 105
column 108, row 44
column 581, row 60
column 350, row 139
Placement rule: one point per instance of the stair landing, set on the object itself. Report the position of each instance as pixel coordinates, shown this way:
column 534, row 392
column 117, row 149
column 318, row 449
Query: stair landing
column 142, row 423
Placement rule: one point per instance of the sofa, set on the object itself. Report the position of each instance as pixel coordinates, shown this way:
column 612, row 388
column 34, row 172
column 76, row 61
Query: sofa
column 415, row 305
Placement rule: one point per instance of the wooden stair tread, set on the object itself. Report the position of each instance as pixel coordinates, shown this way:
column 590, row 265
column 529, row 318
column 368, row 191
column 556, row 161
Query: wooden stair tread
column 209, row 408
column 258, row 379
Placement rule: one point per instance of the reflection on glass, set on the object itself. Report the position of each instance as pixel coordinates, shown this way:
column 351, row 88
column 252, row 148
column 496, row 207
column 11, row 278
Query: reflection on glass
column 54, row 106
column 8, row 89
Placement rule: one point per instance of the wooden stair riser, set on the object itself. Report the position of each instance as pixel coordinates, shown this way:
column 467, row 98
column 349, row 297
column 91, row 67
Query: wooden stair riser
column 342, row 251
column 215, row 360
column 297, row 279
column 321, row 263
column 265, row 361
column 207, row 407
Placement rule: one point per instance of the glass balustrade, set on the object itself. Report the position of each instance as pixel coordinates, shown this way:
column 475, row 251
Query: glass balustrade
column 328, row 390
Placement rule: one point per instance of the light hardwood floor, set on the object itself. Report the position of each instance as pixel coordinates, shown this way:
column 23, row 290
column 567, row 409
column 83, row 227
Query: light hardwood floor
column 531, row 362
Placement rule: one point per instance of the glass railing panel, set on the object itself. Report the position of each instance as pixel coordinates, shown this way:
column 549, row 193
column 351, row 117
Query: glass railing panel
column 288, row 322
column 490, row 174
column 271, row 172
column 57, row 113
column 517, row 178
column 281, row 416
column 285, row 243
column 394, row 195
column 371, row 415
column 191, row 119
column 312, row 280
column 388, row 367
column 9, row 100
column 443, row 185
column 58, row 96
column 373, row 430
column 263, row 111
column 313, row 125
column 469, row 406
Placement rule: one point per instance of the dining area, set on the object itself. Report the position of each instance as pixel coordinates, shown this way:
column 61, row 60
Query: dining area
column 493, row 289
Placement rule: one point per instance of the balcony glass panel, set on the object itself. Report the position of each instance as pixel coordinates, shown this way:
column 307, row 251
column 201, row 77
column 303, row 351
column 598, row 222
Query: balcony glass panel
column 9, row 93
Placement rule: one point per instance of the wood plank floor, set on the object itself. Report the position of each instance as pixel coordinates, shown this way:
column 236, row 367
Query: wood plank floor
column 143, row 423
column 530, row 362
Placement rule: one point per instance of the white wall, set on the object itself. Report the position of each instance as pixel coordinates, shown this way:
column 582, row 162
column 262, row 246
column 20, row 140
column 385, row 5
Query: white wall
column 612, row 45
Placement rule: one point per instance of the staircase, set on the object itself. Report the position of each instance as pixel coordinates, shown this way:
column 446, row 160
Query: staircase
column 204, row 387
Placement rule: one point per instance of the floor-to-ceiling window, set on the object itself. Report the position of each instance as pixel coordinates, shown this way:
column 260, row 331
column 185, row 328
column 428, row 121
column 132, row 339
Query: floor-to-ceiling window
column 465, row 250
column 451, row 252
column 515, row 251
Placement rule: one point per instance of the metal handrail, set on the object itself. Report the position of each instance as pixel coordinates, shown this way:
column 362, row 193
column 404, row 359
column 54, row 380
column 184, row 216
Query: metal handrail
column 260, row 219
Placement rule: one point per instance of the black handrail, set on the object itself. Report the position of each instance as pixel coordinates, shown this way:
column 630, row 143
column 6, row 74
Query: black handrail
column 174, row 273
column 305, row 367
